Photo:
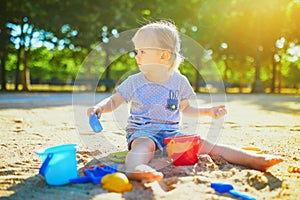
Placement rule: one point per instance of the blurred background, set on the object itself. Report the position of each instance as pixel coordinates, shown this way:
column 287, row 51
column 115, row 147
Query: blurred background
column 255, row 44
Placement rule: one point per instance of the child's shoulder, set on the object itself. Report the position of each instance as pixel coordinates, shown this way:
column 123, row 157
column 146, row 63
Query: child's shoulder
column 135, row 77
column 178, row 75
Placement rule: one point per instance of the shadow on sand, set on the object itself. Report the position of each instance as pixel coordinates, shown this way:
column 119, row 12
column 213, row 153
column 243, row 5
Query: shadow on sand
column 270, row 102
column 35, row 187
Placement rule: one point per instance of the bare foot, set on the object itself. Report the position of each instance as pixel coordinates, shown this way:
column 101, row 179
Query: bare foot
column 144, row 173
column 264, row 162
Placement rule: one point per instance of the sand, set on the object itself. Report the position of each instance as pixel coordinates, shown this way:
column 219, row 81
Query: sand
column 33, row 121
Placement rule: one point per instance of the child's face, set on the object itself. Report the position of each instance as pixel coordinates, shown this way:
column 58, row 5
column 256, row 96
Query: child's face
column 147, row 56
column 151, row 56
column 150, row 59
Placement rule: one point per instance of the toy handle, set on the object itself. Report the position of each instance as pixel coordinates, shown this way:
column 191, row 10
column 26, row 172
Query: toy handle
column 83, row 179
column 45, row 164
column 95, row 123
column 241, row 195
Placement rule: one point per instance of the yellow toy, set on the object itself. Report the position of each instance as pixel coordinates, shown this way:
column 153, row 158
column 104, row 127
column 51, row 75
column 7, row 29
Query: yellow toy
column 293, row 169
column 254, row 149
column 116, row 182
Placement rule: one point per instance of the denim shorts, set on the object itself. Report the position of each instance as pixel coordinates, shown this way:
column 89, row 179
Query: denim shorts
column 157, row 137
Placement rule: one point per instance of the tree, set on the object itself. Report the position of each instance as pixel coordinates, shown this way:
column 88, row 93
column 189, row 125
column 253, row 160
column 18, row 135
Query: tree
column 4, row 41
column 251, row 29
column 248, row 29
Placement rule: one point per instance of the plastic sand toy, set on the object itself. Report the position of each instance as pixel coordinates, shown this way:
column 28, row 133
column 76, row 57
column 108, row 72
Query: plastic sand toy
column 183, row 150
column 95, row 174
column 226, row 187
column 118, row 157
column 95, row 123
column 59, row 164
column 293, row 169
column 254, row 149
column 117, row 182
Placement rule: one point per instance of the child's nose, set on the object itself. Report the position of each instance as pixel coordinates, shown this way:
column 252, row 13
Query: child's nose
column 137, row 56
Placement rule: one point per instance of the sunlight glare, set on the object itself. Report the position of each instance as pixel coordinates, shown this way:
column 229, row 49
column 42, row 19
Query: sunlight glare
column 280, row 43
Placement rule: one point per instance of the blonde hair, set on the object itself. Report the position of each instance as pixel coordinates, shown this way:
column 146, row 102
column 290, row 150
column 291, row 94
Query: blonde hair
column 161, row 35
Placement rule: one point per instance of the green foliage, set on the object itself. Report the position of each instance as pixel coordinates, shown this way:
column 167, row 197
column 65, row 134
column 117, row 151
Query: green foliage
column 241, row 34
column 293, row 76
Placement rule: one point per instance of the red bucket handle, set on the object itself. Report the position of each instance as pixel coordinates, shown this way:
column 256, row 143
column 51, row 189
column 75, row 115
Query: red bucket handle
column 183, row 138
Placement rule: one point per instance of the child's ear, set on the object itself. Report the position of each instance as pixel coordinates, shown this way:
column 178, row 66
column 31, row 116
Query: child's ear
column 166, row 55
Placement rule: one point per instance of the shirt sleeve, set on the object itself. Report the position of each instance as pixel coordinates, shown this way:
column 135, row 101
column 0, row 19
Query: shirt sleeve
column 186, row 89
column 125, row 89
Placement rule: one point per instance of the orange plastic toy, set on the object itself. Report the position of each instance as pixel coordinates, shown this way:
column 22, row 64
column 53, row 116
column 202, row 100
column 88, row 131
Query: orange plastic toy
column 183, row 150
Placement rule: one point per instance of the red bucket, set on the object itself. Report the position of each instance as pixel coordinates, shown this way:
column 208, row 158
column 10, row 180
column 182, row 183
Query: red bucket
column 183, row 150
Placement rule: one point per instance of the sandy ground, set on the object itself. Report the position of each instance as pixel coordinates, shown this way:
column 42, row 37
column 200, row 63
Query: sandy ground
column 33, row 121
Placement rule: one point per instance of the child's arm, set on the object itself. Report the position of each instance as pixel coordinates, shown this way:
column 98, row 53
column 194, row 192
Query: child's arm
column 107, row 105
column 214, row 112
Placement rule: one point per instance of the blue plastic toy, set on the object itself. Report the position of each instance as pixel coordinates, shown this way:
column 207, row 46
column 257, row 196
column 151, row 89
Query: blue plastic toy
column 226, row 187
column 95, row 123
column 58, row 164
column 95, row 174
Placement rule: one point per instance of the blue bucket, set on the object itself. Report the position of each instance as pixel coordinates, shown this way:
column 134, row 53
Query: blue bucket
column 59, row 164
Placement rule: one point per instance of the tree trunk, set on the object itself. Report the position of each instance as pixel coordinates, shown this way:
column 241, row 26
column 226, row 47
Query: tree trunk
column 241, row 82
column 4, row 37
column 197, row 79
column 273, row 76
column 226, row 71
column 17, row 78
column 279, row 78
column 4, row 40
column 107, row 69
column 3, row 72
column 88, row 78
column 257, row 86
column 19, row 57
column 26, row 74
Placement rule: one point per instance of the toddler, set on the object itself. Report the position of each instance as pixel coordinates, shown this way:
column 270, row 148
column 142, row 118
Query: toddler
column 157, row 96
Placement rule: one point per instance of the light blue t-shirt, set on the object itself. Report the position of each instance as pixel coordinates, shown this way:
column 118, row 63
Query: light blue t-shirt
column 153, row 106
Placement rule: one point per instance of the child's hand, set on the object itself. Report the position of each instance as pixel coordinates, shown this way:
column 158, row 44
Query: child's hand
column 218, row 111
column 96, row 110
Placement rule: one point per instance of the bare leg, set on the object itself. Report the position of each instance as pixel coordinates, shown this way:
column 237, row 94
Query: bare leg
column 239, row 156
column 141, row 153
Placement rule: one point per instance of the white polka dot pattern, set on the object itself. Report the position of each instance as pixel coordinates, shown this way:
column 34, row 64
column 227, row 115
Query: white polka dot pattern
column 148, row 101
